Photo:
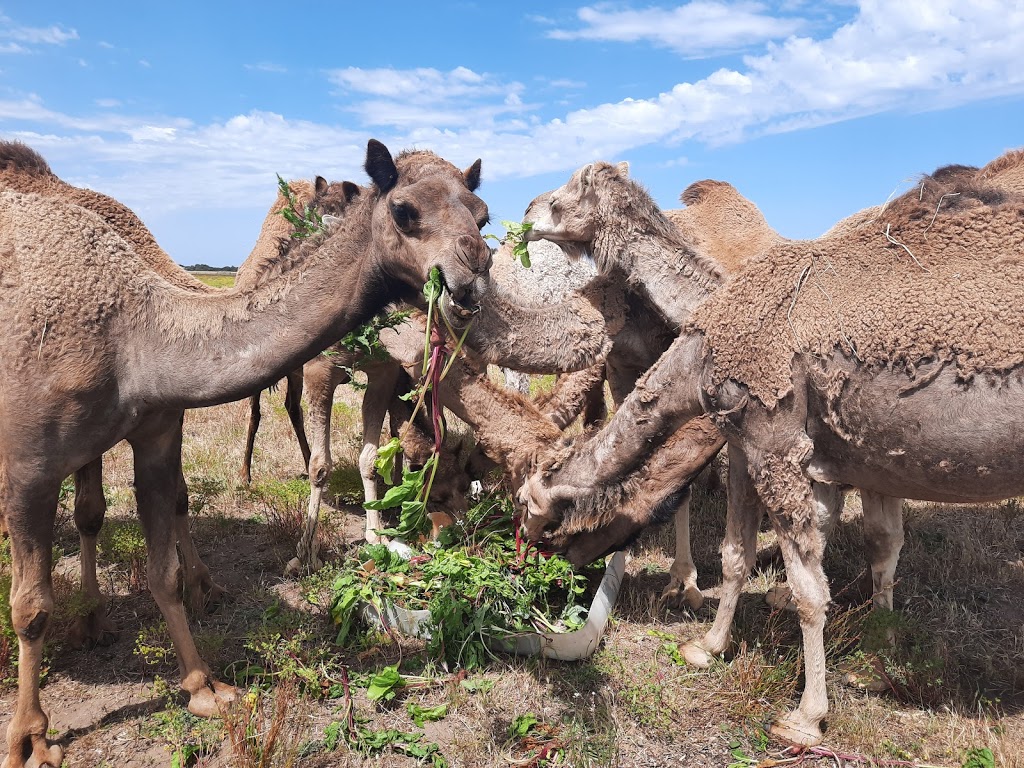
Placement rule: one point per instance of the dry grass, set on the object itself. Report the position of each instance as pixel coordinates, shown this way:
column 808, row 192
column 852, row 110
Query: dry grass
column 955, row 669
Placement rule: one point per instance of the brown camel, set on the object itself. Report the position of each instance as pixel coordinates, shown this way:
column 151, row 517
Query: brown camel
column 813, row 362
column 22, row 169
column 102, row 348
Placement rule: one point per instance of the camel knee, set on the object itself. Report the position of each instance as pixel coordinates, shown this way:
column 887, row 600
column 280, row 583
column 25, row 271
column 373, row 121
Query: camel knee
column 30, row 613
column 319, row 470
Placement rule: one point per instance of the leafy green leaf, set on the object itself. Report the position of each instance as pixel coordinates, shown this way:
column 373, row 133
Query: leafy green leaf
column 421, row 715
column 515, row 233
column 523, row 724
column 386, row 684
column 432, row 288
column 979, row 757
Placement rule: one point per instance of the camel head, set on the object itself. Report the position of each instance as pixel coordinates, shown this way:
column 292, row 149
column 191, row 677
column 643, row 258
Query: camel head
column 572, row 214
column 425, row 215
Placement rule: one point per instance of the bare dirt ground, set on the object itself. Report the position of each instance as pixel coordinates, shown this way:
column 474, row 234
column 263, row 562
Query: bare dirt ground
column 954, row 678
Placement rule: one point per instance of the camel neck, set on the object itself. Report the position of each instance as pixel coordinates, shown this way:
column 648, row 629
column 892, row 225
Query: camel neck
column 665, row 268
column 206, row 349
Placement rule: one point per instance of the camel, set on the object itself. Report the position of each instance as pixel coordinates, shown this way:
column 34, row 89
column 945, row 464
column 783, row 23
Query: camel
column 22, row 169
column 100, row 347
column 534, row 336
column 885, row 358
column 601, row 211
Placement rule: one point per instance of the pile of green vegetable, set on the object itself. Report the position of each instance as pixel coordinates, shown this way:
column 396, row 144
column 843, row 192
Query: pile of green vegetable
column 479, row 584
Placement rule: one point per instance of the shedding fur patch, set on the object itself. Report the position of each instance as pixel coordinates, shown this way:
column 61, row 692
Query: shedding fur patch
column 936, row 275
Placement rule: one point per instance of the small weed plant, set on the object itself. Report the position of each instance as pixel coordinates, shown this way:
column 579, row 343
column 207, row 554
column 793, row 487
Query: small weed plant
column 123, row 543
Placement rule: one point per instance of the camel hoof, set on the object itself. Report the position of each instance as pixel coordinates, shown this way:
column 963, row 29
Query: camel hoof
column 212, row 699
column 92, row 630
column 297, row 567
column 780, row 598
column 696, row 656
column 868, row 676
column 44, row 755
column 676, row 595
column 794, row 728
column 206, row 597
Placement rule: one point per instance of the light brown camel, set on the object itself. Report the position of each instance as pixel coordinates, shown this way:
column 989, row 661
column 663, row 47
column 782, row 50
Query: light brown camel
column 604, row 213
column 887, row 358
column 101, row 348
column 22, row 169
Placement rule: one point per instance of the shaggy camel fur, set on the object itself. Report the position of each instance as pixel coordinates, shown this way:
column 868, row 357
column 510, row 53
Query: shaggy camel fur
column 841, row 344
column 123, row 358
column 22, row 169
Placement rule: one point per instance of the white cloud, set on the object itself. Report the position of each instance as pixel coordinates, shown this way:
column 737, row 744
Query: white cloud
column 31, row 36
column 695, row 29
column 421, row 98
column 927, row 54
column 108, row 103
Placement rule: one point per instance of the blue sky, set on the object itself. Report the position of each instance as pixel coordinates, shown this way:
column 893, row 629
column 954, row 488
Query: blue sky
column 185, row 111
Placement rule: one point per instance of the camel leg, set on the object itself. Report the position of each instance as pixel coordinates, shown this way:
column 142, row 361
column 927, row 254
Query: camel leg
column 321, row 378
column 780, row 596
column 250, row 437
column 94, row 628
column 293, row 404
column 883, row 537
column 682, row 585
column 203, row 593
column 381, row 382
column 157, row 450
column 802, row 543
column 739, row 551
column 30, row 519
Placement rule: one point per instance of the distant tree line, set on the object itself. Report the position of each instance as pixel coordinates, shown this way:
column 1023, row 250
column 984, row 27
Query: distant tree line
column 207, row 268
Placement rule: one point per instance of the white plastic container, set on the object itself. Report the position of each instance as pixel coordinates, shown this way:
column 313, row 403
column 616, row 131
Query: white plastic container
column 565, row 646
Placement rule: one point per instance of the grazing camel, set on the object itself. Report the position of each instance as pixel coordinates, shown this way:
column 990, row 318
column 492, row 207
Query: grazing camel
column 604, row 213
column 102, row 348
column 886, row 358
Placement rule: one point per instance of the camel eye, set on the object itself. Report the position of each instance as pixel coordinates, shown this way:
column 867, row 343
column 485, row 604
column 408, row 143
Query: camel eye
column 483, row 222
column 405, row 215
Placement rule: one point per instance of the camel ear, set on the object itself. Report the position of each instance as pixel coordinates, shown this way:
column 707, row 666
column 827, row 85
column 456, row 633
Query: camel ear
column 472, row 175
column 623, row 169
column 320, row 185
column 380, row 167
column 350, row 190
column 586, row 174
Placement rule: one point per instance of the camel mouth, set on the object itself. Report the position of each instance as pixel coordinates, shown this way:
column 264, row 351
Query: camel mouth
column 457, row 312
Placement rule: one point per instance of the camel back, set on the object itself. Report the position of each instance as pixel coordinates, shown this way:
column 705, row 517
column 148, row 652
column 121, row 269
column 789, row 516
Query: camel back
column 22, row 169
column 937, row 276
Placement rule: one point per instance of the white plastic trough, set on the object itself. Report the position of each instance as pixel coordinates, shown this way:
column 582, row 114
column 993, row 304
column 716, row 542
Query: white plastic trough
column 564, row 646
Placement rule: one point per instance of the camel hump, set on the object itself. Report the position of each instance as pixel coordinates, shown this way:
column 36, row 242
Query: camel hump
column 21, row 158
column 699, row 190
column 1013, row 159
